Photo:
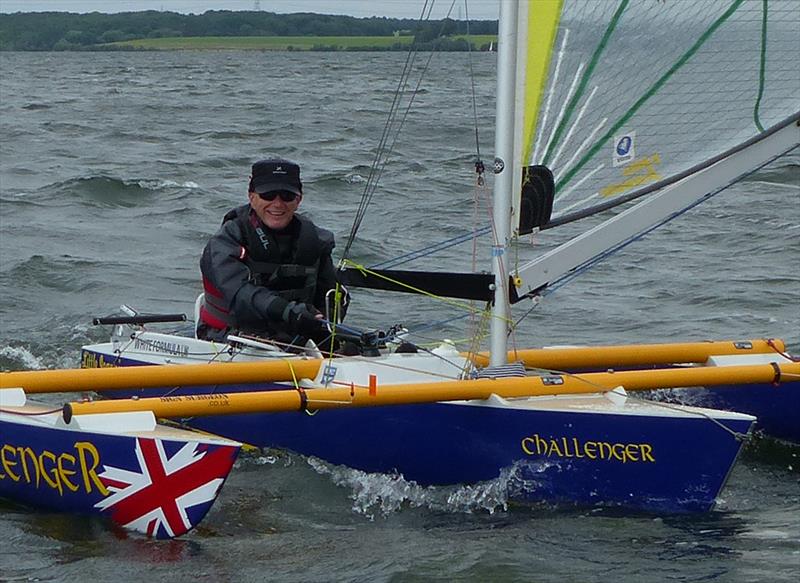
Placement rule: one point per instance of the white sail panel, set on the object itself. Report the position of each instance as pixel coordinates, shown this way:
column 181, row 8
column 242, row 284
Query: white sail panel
column 638, row 91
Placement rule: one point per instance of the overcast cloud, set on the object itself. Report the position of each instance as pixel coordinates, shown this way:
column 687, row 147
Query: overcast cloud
column 478, row 9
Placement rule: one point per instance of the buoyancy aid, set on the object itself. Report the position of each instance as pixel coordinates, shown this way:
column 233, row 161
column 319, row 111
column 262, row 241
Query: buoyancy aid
column 287, row 264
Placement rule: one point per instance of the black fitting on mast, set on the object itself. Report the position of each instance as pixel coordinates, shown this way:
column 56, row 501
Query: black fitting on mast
column 480, row 170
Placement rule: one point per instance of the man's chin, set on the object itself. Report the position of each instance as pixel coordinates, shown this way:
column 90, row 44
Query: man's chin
column 278, row 224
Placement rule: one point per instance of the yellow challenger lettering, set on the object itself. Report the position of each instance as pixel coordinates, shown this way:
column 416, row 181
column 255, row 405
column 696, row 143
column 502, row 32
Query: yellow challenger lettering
column 577, row 447
column 89, row 472
column 23, row 464
column 647, row 453
column 64, row 473
column 618, row 452
column 8, row 462
column 27, row 455
column 92, row 360
column 50, row 474
column 632, row 451
column 572, row 447
column 528, row 441
column 605, row 449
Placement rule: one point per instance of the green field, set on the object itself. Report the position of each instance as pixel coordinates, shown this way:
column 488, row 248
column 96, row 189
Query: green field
column 479, row 40
column 264, row 43
column 278, row 43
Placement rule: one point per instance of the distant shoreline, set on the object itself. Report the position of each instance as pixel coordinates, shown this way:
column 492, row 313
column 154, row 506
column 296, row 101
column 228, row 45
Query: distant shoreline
column 236, row 30
column 282, row 43
column 263, row 43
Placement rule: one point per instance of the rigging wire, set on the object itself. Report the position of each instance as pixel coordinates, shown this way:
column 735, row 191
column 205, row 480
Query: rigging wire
column 431, row 249
column 478, row 162
column 392, row 126
column 372, row 178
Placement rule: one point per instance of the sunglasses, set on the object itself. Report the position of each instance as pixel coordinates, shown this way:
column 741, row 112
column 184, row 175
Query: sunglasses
column 285, row 195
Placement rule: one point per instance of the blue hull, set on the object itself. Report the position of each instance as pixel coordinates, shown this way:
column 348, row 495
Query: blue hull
column 132, row 481
column 776, row 407
column 644, row 462
column 641, row 462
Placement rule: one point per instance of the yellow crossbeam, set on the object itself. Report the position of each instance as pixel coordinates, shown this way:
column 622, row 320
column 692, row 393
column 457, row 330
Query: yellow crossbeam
column 132, row 377
column 360, row 396
column 590, row 357
column 601, row 357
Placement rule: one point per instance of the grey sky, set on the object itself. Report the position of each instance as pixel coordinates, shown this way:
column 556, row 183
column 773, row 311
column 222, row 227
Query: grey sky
column 478, row 9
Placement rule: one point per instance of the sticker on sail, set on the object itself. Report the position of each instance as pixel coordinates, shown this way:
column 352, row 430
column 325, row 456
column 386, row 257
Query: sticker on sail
column 624, row 151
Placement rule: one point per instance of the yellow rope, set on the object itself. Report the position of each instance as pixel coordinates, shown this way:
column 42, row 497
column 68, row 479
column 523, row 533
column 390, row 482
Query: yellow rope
column 297, row 385
column 478, row 335
column 294, row 376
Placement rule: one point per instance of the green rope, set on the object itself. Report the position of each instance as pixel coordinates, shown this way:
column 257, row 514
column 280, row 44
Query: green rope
column 761, row 73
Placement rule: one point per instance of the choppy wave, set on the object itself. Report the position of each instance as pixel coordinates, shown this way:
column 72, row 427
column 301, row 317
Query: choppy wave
column 109, row 191
column 383, row 494
column 36, row 106
column 19, row 358
column 42, row 354
column 333, row 179
column 59, row 274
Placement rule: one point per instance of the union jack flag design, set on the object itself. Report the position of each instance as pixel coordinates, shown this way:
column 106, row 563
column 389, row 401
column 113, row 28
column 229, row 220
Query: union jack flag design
column 168, row 494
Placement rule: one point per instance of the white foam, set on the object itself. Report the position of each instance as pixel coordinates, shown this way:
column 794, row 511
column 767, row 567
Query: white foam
column 23, row 355
column 385, row 494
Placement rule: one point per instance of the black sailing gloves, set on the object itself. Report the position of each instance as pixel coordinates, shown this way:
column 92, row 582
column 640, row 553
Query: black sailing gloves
column 301, row 320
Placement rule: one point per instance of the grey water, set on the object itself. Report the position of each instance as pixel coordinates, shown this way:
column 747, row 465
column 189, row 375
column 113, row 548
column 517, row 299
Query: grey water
column 115, row 169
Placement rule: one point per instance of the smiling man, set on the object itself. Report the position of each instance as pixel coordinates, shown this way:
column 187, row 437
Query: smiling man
column 267, row 270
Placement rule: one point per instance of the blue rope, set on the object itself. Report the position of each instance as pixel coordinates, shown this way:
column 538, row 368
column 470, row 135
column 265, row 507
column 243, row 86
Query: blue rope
column 446, row 244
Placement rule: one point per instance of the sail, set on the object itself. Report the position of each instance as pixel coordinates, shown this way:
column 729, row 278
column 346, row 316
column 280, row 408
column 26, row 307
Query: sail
column 615, row 96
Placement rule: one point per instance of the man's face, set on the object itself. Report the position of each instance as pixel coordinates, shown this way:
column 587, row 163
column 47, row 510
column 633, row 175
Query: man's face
column 277, row 213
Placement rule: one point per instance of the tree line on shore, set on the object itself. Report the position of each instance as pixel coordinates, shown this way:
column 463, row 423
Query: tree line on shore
column 54, row 31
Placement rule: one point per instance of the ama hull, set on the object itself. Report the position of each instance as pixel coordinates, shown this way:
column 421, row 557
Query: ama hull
column 159, row 483
column 773, row 412
column 772, row 405
column 555, row 451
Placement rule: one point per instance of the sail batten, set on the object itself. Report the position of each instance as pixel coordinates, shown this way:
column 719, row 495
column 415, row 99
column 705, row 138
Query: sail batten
column 762, row 68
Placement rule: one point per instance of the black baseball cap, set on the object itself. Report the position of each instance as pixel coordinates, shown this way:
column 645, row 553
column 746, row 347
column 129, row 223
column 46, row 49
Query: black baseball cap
column 275, row 174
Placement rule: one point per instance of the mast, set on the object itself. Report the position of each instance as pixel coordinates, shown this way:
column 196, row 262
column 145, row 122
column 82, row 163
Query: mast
column 504, row 177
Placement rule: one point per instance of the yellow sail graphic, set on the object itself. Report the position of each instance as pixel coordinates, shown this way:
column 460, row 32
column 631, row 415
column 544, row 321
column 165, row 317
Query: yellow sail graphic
column 542, row 26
